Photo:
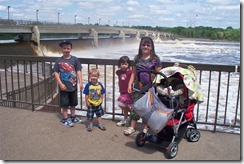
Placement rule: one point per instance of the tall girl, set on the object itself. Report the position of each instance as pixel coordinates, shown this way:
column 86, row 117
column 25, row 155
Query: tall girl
column 146, row 59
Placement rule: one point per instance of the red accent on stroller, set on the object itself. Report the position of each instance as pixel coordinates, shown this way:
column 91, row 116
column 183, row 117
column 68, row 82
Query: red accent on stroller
column 181, row 124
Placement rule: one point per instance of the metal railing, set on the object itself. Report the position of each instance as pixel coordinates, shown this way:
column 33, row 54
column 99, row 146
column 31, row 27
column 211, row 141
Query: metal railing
column 27, row 82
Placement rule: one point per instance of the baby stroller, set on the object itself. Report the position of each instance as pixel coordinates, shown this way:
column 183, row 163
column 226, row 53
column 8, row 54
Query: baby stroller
column 167, row 108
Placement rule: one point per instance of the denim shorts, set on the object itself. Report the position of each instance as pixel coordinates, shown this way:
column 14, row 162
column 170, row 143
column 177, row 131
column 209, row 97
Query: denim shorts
column 68, row 98
column 94, row 109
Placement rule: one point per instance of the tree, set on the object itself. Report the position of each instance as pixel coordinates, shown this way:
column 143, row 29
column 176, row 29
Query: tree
column 214, row 36
column 220, row 35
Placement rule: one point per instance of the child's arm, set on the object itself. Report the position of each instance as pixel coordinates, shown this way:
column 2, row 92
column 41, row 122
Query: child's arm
column 61, row 85
column 132, row 78
column 158, row 69
column 153, row 75
column 86, row 92
column 102, row 93
column 102, row 96
column 87, row 102
column 79, row 76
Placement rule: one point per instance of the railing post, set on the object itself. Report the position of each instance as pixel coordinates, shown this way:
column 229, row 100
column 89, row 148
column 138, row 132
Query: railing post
column 217, row 102
column 113, row 93
column 32, row 89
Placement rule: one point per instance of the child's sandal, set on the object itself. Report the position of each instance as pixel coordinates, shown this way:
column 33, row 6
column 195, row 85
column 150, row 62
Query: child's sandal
column 129, row 131
column 89, row 127
column 102, row 127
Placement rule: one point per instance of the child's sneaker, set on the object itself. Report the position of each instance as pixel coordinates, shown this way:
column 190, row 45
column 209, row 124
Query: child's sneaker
column 76, row 120
column 122, row 123
column 67, row 122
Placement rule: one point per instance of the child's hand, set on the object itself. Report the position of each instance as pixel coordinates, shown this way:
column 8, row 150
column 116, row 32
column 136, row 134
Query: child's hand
column 171, row 91
column 129, row 89
column 81, row 86
column 63, row 87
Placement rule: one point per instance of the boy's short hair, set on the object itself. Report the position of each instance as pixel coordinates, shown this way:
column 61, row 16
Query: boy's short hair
column 65, row 42
column 94, row 71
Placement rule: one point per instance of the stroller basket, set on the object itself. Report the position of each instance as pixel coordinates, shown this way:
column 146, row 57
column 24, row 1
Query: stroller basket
column 152, row 111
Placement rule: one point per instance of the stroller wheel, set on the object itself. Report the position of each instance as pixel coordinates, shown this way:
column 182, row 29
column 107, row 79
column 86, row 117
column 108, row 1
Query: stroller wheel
column 172, row 150
column 194, row 135
column 188, row 132
column 140, row 139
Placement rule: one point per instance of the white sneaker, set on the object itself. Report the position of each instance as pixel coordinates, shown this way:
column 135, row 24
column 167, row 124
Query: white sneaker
column 122, row 123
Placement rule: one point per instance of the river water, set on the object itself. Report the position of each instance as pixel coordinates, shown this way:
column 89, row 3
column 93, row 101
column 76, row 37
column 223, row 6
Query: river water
column 224, row 53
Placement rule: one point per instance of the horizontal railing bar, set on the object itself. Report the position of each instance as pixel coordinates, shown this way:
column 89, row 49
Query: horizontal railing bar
column 205, row 67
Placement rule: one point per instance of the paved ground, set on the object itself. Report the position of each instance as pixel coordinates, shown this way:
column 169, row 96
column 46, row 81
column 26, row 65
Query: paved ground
column 27, row 135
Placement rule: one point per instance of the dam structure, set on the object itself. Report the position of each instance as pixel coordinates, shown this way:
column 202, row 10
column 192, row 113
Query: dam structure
column 26, row 31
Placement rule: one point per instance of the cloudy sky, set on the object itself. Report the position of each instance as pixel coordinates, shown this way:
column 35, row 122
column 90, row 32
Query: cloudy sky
column 164, row 13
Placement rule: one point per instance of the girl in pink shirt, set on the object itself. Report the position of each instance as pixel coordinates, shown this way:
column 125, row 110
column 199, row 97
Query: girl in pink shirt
column 125, row 99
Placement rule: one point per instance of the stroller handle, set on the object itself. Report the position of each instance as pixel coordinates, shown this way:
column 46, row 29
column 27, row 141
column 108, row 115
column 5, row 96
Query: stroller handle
column 155, row 73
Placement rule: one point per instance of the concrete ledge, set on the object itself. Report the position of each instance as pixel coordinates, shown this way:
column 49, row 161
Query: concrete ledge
column 27, row 135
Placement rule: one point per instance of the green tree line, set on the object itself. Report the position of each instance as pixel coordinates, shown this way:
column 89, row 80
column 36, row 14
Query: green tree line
column 229, row 34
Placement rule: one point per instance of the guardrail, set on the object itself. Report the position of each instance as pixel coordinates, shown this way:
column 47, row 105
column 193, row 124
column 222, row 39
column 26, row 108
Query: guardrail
column 27, row 82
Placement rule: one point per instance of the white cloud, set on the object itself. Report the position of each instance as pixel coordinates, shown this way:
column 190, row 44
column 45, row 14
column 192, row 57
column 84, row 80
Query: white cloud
column 131, row 9
column 86, row 5
column 137, row 16
column 228, row 8
column 3, row 8
column 157, row 10
column 132, row 2
column 219, row 1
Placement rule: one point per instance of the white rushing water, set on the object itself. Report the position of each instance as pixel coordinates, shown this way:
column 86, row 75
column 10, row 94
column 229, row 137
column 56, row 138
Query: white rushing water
column 226, row 53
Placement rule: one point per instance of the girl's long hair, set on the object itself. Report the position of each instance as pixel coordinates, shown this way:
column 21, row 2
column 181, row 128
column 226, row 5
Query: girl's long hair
column 147, row 40
column 124, row 59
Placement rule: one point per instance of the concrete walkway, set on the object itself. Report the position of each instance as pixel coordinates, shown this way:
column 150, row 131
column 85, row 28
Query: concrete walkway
column 27, row 135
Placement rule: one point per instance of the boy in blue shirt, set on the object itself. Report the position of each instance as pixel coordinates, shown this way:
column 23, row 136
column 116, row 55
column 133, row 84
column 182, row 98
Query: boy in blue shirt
column 67, row 71
column 94, row 92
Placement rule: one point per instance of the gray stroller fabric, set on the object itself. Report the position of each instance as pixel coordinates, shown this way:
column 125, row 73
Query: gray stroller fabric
column 152, row 111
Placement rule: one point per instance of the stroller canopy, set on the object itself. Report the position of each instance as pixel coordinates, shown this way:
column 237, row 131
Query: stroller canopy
column 190, row 80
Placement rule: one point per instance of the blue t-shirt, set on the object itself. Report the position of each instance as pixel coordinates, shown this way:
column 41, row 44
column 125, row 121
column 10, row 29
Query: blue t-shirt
column 67, row 70
column 94, row 93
